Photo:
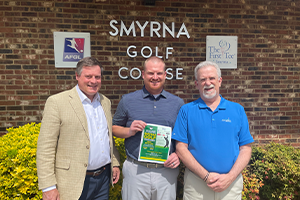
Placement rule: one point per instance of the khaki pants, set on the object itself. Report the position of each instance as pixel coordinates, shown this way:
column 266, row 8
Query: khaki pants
column 142, row 183
column 196, row 188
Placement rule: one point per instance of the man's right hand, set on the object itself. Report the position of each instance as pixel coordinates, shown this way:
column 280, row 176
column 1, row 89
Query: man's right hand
column 51, row 195
column 136, row 125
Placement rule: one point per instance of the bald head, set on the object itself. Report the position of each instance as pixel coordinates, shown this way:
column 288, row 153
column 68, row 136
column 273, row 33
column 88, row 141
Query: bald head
column 155, row 60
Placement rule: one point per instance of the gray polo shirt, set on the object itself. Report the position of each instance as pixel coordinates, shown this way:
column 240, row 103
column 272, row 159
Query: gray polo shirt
column 141, row 105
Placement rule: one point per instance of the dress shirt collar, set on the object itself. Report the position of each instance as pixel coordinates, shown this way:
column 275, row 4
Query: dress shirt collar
column 83, row 97
column 146, row 93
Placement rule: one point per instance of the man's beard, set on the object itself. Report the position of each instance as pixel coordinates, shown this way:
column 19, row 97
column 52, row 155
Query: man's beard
column 210, row 94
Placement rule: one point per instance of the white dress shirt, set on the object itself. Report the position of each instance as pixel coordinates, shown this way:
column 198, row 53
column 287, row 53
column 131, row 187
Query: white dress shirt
column 98, row 131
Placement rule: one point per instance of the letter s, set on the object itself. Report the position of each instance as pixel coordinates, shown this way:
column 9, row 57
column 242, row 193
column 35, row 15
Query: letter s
column 115, row 28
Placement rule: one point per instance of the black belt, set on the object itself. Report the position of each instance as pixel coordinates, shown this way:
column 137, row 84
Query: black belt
column 96, row 172
column 146, row 164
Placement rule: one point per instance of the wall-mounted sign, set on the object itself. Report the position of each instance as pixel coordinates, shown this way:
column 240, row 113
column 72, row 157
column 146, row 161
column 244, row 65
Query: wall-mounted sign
column 155, row 29
column 222, row 50
column 70, row 47
column 178, row 74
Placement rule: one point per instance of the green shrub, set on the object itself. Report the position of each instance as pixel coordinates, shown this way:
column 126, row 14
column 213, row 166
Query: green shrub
column 278, row 166
column 115, row 192
column 251, row 185
column 18, row 173
column 18, row 176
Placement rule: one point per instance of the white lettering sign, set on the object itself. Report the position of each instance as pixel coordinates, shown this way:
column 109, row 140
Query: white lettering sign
column 131, row 52
column 169, row 73
column 156, row 29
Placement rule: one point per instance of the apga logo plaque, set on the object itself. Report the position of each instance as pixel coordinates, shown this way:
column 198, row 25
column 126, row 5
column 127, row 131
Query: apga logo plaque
column 73, row 49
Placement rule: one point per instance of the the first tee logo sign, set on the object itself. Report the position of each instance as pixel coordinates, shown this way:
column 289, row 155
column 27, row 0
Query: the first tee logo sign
column 74, row 48
column 222, row 50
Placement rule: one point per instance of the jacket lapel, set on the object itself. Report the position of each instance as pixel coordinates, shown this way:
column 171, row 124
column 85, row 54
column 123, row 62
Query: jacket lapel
column 79, row 110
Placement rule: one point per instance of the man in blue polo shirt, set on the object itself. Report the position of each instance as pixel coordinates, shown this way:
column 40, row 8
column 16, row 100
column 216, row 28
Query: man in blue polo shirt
column 213, row 140
column 152, row 104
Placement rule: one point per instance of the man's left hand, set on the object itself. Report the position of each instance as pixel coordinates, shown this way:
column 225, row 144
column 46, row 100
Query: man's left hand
column 172, row 161
column 116, row 174
column 219, row 182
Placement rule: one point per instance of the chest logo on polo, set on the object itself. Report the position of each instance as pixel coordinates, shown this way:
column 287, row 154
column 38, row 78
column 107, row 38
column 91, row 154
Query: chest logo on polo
column 226, row 120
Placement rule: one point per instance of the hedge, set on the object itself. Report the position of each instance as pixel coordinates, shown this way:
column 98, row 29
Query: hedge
column 278, row 167
column 18, row 174
column 273, row 171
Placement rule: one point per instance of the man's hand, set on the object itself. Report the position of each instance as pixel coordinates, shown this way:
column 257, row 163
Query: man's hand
column 172, row 161
column 116, row 174
column 51, row 195
column 219, row 182
column 136, row 125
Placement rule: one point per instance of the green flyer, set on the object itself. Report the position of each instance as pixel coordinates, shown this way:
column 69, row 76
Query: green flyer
column 155, row 143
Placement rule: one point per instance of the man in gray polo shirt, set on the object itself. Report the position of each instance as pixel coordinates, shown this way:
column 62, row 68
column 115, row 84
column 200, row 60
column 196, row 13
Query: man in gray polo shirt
column 153, row 105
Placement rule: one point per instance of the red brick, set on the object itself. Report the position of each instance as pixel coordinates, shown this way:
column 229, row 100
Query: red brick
column 267, row 75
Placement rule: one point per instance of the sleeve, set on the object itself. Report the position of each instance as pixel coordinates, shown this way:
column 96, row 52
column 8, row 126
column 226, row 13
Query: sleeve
column 179, row 132
column 173, row 142
column 49, row 188
column 115, row 160
column 46, row 145
column 244, row 134
column 116, row 156
column 181, row 103
column 120, row 117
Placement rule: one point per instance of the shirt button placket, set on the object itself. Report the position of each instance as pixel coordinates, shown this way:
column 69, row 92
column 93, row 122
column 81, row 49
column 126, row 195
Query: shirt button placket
column 213, row 121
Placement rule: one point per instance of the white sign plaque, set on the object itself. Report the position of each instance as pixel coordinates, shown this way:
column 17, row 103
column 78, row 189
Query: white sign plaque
column 70, row 47
column 222, row 50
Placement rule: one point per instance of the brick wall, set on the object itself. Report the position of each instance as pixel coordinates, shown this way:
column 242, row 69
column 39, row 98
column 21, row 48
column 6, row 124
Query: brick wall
column 266, row 81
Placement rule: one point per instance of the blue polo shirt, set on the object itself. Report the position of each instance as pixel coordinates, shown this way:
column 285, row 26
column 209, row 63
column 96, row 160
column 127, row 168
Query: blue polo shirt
column 213, row 137
column 141, row 105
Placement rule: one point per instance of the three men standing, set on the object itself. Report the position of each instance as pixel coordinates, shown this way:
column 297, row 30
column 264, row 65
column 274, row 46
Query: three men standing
column 76, row 152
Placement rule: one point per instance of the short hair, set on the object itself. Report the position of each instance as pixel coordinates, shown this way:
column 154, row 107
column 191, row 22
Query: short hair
column 205, row 64
column 154, row 59
column 87, row 62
